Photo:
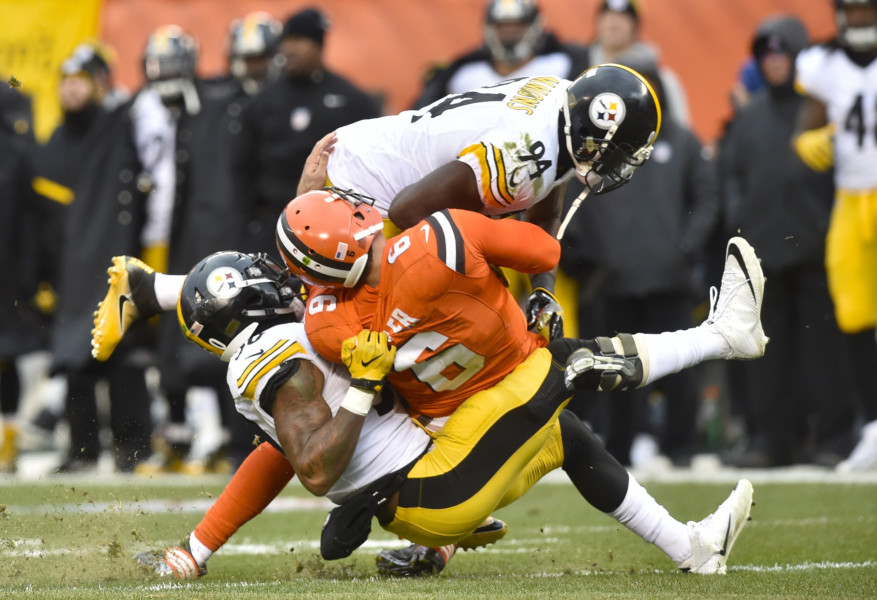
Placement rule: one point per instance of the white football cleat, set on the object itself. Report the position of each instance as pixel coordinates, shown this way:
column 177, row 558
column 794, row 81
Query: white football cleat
column 735, row 309
column 713, row 537
column 864, row 455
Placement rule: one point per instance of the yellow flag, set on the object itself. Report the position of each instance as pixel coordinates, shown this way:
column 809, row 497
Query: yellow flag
column 35, row 38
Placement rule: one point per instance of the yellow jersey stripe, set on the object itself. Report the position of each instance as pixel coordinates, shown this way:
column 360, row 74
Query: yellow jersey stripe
column 255, row 363
column 487, row 165
column 271, row 360
column 52, row 190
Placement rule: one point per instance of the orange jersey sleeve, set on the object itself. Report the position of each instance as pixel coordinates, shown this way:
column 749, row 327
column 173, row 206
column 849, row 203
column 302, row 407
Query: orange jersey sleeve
column 456, row 327
column 509, row 243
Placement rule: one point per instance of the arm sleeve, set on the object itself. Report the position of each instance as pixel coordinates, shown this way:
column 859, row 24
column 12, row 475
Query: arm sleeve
column 509, row 243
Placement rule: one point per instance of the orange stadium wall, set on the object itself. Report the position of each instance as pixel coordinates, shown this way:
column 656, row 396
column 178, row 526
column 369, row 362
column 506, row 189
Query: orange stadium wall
column 385, row 46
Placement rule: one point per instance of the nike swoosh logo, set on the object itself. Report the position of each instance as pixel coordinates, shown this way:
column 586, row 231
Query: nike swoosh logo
column 734, row 251
column 367, row 363
column 727, row 535
column 122, row 300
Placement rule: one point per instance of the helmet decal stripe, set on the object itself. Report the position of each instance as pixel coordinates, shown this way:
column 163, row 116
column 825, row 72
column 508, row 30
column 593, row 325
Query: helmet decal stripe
column 320, row 268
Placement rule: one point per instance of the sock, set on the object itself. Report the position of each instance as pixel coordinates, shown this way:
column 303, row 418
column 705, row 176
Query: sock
column 167, row 290
column 672, row 351
column 262, row 475
column 642, row 514
column 199, row 551
column 447, row 552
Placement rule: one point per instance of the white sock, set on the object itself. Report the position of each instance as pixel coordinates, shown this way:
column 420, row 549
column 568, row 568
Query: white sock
column 200, row 552
column 167, row 290
column 672, row 351
column 642, row 514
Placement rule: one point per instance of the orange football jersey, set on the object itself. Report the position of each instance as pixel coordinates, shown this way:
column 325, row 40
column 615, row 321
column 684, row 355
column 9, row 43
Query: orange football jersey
column 456, row 327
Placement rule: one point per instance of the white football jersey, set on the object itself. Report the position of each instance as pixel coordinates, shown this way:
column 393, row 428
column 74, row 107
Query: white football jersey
column 849, row 93
column 389, row 439
column 507, row 133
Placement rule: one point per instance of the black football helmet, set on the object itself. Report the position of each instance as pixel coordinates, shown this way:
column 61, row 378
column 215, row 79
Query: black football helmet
column 611, row 118
column 255, row 35
column 857, row 30
column 227, row 294
column 169, row 65
column 512, row 11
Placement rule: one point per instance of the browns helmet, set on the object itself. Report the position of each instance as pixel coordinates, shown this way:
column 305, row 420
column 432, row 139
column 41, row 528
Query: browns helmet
column 324, row 236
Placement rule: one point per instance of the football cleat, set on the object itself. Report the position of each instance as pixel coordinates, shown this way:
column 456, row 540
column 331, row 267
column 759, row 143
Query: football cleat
column 713, row 537
column 131, row 298
column 735, row 309
column 864, row 455
column 176, row 562
column 414, row 560
column 488, row 532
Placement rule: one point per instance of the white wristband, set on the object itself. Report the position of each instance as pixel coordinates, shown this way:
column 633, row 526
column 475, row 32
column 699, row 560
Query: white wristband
column 358, row 401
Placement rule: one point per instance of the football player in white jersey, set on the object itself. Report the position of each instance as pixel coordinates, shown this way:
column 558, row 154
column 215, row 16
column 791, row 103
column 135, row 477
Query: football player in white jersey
column 497, row 150
column 838, row 127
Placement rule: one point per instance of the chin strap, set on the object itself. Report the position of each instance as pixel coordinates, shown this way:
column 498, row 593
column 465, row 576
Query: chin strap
column 572, row 209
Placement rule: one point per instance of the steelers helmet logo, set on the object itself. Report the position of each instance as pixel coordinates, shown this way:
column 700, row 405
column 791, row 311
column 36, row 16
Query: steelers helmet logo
column 607, row 109
column 225, row 282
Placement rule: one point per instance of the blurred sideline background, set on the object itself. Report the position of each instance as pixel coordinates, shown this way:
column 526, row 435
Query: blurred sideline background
column 386, row 46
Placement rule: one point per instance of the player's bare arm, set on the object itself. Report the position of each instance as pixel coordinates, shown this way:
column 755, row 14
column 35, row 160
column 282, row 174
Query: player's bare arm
column 318, row 445
column 547, row 214
column 811, row 115
column 450, row 186
column 813, row 140
column 315, row 171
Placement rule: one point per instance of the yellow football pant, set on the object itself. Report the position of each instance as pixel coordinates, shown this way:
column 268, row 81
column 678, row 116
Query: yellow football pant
column 851, row 259
column 492, row 449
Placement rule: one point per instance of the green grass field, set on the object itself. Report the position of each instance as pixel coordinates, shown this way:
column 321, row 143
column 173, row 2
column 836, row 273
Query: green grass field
column 76, row 539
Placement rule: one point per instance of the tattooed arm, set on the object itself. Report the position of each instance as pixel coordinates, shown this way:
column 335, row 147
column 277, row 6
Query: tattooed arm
column 317, row 445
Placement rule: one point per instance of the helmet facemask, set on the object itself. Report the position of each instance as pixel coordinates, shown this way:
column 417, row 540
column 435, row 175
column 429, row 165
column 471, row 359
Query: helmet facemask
column 227, row 295
column 520, row 12
column 607, row 165
column 860, row 36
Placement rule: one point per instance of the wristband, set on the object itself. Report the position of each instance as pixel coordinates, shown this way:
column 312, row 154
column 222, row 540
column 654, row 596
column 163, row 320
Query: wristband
column 358, row 401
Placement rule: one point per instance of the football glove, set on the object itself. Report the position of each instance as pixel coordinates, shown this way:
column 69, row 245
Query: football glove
column 544, row 314
column 816, row 148
column 369, row 357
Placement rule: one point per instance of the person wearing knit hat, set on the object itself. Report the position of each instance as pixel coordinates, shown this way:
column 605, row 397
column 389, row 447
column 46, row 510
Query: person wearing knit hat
column 302, row 43
column 287, row 117
column 308, row 23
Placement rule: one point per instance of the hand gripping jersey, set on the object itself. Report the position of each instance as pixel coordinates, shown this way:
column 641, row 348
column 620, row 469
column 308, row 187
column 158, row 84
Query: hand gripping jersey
column 849, row 93
column 389, row 439
column 456, row 327
column 508, row 133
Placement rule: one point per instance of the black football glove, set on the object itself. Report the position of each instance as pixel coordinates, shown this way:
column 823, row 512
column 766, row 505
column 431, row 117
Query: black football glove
column 544, row 314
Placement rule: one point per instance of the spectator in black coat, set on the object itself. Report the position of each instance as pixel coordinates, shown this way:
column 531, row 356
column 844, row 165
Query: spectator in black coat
column 286, row 119
column 797, row 404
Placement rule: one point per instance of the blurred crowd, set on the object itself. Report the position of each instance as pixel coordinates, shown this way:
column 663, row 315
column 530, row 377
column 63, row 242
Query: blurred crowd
column 186, row 166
